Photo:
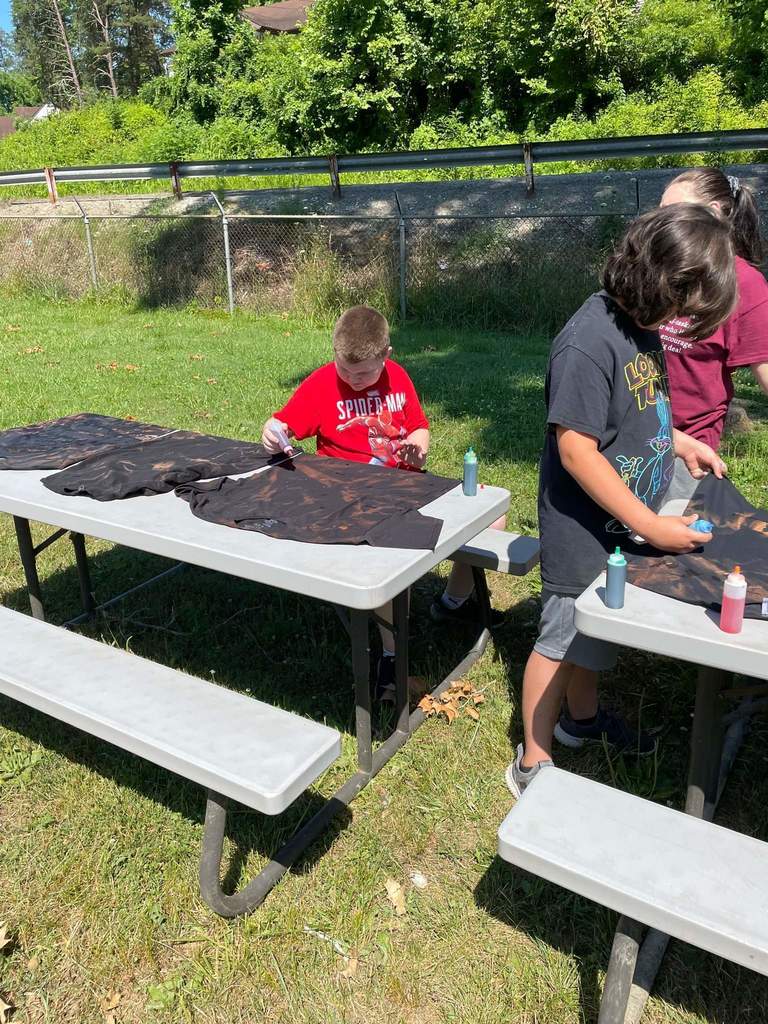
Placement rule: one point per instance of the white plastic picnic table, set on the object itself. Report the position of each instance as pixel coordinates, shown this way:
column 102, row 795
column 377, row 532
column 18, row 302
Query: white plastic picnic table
column 356, row 579
column 663, row 625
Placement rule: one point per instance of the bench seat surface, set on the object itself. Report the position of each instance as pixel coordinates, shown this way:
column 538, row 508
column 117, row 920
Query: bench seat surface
column 242, row 748
column 500, row 551
column 691, row 879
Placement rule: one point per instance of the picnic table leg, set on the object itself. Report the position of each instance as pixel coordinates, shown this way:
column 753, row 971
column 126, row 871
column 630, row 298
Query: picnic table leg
column 370, row 761
column 621, row 969
column 83, row 575
column 29, row 563
column 704, row 784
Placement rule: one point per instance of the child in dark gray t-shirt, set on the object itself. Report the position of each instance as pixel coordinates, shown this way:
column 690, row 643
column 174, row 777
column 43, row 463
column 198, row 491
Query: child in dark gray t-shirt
column 608, row 458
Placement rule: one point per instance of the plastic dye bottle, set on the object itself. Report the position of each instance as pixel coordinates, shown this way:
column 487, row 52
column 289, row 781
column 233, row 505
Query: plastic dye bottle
column 616, row 577
column 470, row 473
column 734, row 600
column 702, row 526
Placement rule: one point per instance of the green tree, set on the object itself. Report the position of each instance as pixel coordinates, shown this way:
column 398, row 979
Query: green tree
column 749, row 49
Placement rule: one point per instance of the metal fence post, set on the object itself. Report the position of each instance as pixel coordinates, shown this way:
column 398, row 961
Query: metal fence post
column 403, row 261
column 227, row 255
column 528, row 164
column 89, row 240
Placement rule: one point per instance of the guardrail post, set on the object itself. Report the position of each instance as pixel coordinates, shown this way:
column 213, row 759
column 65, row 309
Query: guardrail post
column 227, row 254
column 50, row 181
column 528, row 164
column 89, row 240
column 333, row 167
column 175, row 179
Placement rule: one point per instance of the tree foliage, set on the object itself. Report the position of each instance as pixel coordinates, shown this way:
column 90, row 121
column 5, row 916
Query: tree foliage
column 76, row 49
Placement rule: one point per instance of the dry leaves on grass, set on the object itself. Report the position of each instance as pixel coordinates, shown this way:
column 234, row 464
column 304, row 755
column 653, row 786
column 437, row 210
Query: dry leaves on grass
column 13, row 327
column 114, row 366
column 197, row 358
column 108, row 1004
column 32, row 350
column 396, row 895
column 459, row 699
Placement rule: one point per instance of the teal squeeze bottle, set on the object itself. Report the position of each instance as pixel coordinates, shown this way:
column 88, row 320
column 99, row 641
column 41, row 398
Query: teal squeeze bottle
column 470, row 472
column 616, row 577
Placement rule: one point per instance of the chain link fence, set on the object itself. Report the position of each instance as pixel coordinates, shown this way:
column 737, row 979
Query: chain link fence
column 505, row 272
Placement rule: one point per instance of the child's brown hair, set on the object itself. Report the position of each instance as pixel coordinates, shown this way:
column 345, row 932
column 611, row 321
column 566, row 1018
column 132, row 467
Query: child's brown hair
column 675, row 261
column 361, row 333
column 738, row 205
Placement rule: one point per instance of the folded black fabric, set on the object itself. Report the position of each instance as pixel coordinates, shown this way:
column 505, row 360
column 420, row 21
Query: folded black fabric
column 156, row 467
column 59, row 443
column 326, row 501
column 740, row 537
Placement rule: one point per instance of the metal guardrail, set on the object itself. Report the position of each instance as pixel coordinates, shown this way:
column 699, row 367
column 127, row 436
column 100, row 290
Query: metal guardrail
column 526, row 153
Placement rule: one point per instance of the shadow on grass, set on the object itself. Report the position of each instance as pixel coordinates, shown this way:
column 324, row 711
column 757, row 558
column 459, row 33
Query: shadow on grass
column 277, row 647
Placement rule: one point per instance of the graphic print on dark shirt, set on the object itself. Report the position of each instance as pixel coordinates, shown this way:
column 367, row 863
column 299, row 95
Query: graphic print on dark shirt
column 605, row 379
column 56, row 444
column 740, row 538
column 326, row 501
column 156, row 467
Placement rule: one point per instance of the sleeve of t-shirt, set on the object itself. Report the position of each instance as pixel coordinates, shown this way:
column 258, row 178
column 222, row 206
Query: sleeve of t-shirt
column 579, row 393
column 414, row 414
column 301, row 411
column 749, row 344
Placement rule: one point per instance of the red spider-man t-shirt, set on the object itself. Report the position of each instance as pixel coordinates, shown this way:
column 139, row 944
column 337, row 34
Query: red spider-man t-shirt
column 361, row 426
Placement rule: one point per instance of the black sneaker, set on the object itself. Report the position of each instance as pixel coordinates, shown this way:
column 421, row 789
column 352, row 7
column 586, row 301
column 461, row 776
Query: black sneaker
column 607, row 727
column 469, row 611
column 385, row 679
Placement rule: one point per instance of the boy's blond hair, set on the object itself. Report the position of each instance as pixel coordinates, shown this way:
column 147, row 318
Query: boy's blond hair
column 361, row 333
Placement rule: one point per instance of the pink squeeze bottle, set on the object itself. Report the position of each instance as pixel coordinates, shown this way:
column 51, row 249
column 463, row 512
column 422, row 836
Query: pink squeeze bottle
column 734, row 599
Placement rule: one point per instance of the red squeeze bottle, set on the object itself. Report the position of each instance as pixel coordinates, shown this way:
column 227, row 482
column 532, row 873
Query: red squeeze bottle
column 734, row 599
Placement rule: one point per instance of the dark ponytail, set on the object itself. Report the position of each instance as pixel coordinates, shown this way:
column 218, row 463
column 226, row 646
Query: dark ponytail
column 737, row 204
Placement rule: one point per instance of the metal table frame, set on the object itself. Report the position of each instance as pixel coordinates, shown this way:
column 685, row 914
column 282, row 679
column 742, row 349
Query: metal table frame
column 369, row 761
column 637, row 951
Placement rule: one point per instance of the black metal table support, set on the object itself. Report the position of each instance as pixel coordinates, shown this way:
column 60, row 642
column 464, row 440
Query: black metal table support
column 370, row 761
column 635, row 961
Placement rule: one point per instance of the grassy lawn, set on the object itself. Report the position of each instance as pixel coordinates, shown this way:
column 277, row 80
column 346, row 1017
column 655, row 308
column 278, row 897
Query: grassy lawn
column 99, row 850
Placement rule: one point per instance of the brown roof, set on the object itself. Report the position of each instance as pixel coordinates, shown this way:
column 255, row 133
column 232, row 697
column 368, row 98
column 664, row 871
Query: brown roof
column 7, row 126
column 28, row 112
column 286, row 16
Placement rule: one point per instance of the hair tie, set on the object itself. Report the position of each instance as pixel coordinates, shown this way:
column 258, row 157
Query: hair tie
column 734, row 185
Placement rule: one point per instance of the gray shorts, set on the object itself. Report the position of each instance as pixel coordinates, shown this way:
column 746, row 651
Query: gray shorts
column 560, row 640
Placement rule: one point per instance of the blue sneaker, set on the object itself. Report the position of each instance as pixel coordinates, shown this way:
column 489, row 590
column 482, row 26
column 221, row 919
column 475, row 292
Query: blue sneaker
column 607, row 727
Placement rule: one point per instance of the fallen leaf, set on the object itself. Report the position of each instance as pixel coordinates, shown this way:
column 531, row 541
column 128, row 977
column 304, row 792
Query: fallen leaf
column 197, row 358
column 110, row 1001
column 147, row 326
column 396, row 895
column 419, row 880
column 201, row 414
column 212, row 380
column 12, row 327
column 33, row 963
column 131, row 367
column 449, row 712
column 32, row 350
column 473, row 713
column 5, row 938
column 131, row 418
column 351, row 969
column 6, row 1009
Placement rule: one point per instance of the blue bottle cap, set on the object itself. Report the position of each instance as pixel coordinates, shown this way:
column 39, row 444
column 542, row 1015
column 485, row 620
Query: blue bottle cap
column 702, row 526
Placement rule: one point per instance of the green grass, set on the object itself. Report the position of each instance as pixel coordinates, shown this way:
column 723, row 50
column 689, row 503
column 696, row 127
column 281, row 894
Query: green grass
column 99, row 850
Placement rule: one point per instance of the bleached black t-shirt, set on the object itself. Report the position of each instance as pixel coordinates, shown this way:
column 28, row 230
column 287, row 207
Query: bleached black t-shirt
column 605, row 378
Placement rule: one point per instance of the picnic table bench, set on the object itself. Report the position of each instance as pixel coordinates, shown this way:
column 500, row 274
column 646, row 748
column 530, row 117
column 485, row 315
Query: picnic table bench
column 242, row 765
column 676, row 873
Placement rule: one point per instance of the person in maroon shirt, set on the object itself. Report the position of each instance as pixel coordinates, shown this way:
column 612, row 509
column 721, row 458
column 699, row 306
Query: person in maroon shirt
column 700, row 372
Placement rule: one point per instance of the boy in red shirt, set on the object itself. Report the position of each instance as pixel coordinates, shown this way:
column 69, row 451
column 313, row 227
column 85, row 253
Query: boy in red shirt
column 362, row 407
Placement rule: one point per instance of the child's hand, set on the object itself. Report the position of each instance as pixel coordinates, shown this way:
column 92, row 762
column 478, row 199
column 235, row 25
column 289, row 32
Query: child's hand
column 270, row 439
column 672, row 533
column 412, row 454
